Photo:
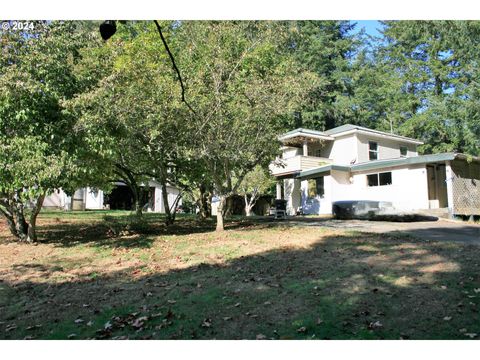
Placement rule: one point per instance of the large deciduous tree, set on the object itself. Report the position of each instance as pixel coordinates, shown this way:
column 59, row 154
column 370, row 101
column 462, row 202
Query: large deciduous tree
column 242, row 81
column 36, row 147
column 133, row 119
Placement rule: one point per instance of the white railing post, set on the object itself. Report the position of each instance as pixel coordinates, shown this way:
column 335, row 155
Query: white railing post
column 279, row 190
column 449, row 181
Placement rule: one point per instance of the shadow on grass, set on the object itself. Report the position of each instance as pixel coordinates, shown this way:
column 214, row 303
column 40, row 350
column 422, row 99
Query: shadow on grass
column 340, row 287
column 129, row 231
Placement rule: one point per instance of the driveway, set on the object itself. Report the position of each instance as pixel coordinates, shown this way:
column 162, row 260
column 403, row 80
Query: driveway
column 443, row 230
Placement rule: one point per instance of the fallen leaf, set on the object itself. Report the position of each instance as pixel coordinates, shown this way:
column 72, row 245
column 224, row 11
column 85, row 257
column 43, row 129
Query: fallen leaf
column 261, row 337
column 226, row 318
column 375, row 325
column 108, row 325
column 267, row 303
column 302, row 329
column 471, row 335
column 11, row 327
column 447, row 318
column 319, row 321
column 237, row 304
column 33, row 327
column 90, row 323
column 207, row 323
column 71, row 336
column 79, row 321
column 138, row 323
column 171, row 301
column 463, row 330
column 476, row 290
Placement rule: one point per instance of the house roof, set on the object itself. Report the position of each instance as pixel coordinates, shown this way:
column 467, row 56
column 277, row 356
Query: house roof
column 306, row 133
column 341, row 131
column 421, row 159
column 348, row 128
column 387, row 163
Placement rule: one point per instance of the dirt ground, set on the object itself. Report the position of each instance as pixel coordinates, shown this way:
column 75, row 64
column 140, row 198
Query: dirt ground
column 257, row 280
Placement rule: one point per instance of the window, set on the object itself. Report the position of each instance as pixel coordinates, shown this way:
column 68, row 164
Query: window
column 316, row 187
column 385, row 178
column 372, row 150
column 372, row 180
column 381, row 179
column 403, row 151
column 315, row 152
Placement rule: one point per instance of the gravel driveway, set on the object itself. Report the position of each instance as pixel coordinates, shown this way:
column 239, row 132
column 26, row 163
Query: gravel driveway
column 444, row 230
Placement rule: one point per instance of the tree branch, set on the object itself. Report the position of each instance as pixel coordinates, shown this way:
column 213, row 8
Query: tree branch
column 174, row 66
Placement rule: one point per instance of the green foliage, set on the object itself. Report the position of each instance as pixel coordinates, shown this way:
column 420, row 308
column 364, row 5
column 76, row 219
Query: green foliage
column 433, row 68
column 37, row 149
column 241, row 83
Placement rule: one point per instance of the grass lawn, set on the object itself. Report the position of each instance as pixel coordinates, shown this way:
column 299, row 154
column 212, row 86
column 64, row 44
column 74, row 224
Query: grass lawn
column 98, row 275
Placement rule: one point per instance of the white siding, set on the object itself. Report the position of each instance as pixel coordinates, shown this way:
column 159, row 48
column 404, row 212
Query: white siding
column 93, row 199
column 318, row 205
column 292, row 193
column 409, row 189
column 344, row 150
column 55, row 199
column 171, row 195
column 289, row 152
column 387, row 148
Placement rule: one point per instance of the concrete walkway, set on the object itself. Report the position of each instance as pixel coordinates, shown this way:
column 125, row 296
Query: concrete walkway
column 443, row 230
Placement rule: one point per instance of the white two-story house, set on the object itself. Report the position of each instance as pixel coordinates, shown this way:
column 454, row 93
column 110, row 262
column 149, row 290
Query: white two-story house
column 349, row 162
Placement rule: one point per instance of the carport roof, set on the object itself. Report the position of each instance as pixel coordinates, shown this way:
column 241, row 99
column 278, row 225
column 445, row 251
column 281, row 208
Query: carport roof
column 381, row 164
column 305, row 174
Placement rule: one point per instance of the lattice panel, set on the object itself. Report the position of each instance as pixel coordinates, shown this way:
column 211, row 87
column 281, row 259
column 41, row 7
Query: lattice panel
column 466, row 196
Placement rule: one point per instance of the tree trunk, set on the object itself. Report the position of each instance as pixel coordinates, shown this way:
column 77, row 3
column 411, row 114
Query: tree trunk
column 168, row 214
column 137, row 198
column 221, row 213
column 202, row 202
column 137, row 192
column 228, row 207
column 248, row 206
column 32, row 226
column 205, row 202
column 20, row 222
column 8, row 215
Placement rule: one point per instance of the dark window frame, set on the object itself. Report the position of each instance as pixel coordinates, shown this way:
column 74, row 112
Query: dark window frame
column 406, row 151
column 372, row 153
column 318, row 189
column 379, row 179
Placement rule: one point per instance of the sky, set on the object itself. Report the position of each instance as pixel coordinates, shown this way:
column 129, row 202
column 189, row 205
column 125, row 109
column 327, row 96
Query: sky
column 369, row 25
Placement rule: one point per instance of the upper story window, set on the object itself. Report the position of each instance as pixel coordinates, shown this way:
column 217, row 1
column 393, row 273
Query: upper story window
column 380, row 179
column 372, row 150
column 317, row 152
column 403, row 151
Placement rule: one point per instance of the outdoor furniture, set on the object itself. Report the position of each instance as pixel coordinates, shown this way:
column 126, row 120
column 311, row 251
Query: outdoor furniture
column 280, row 209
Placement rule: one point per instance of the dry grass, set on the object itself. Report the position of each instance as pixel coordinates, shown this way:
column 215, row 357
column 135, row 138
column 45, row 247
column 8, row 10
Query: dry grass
column 257, row 279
